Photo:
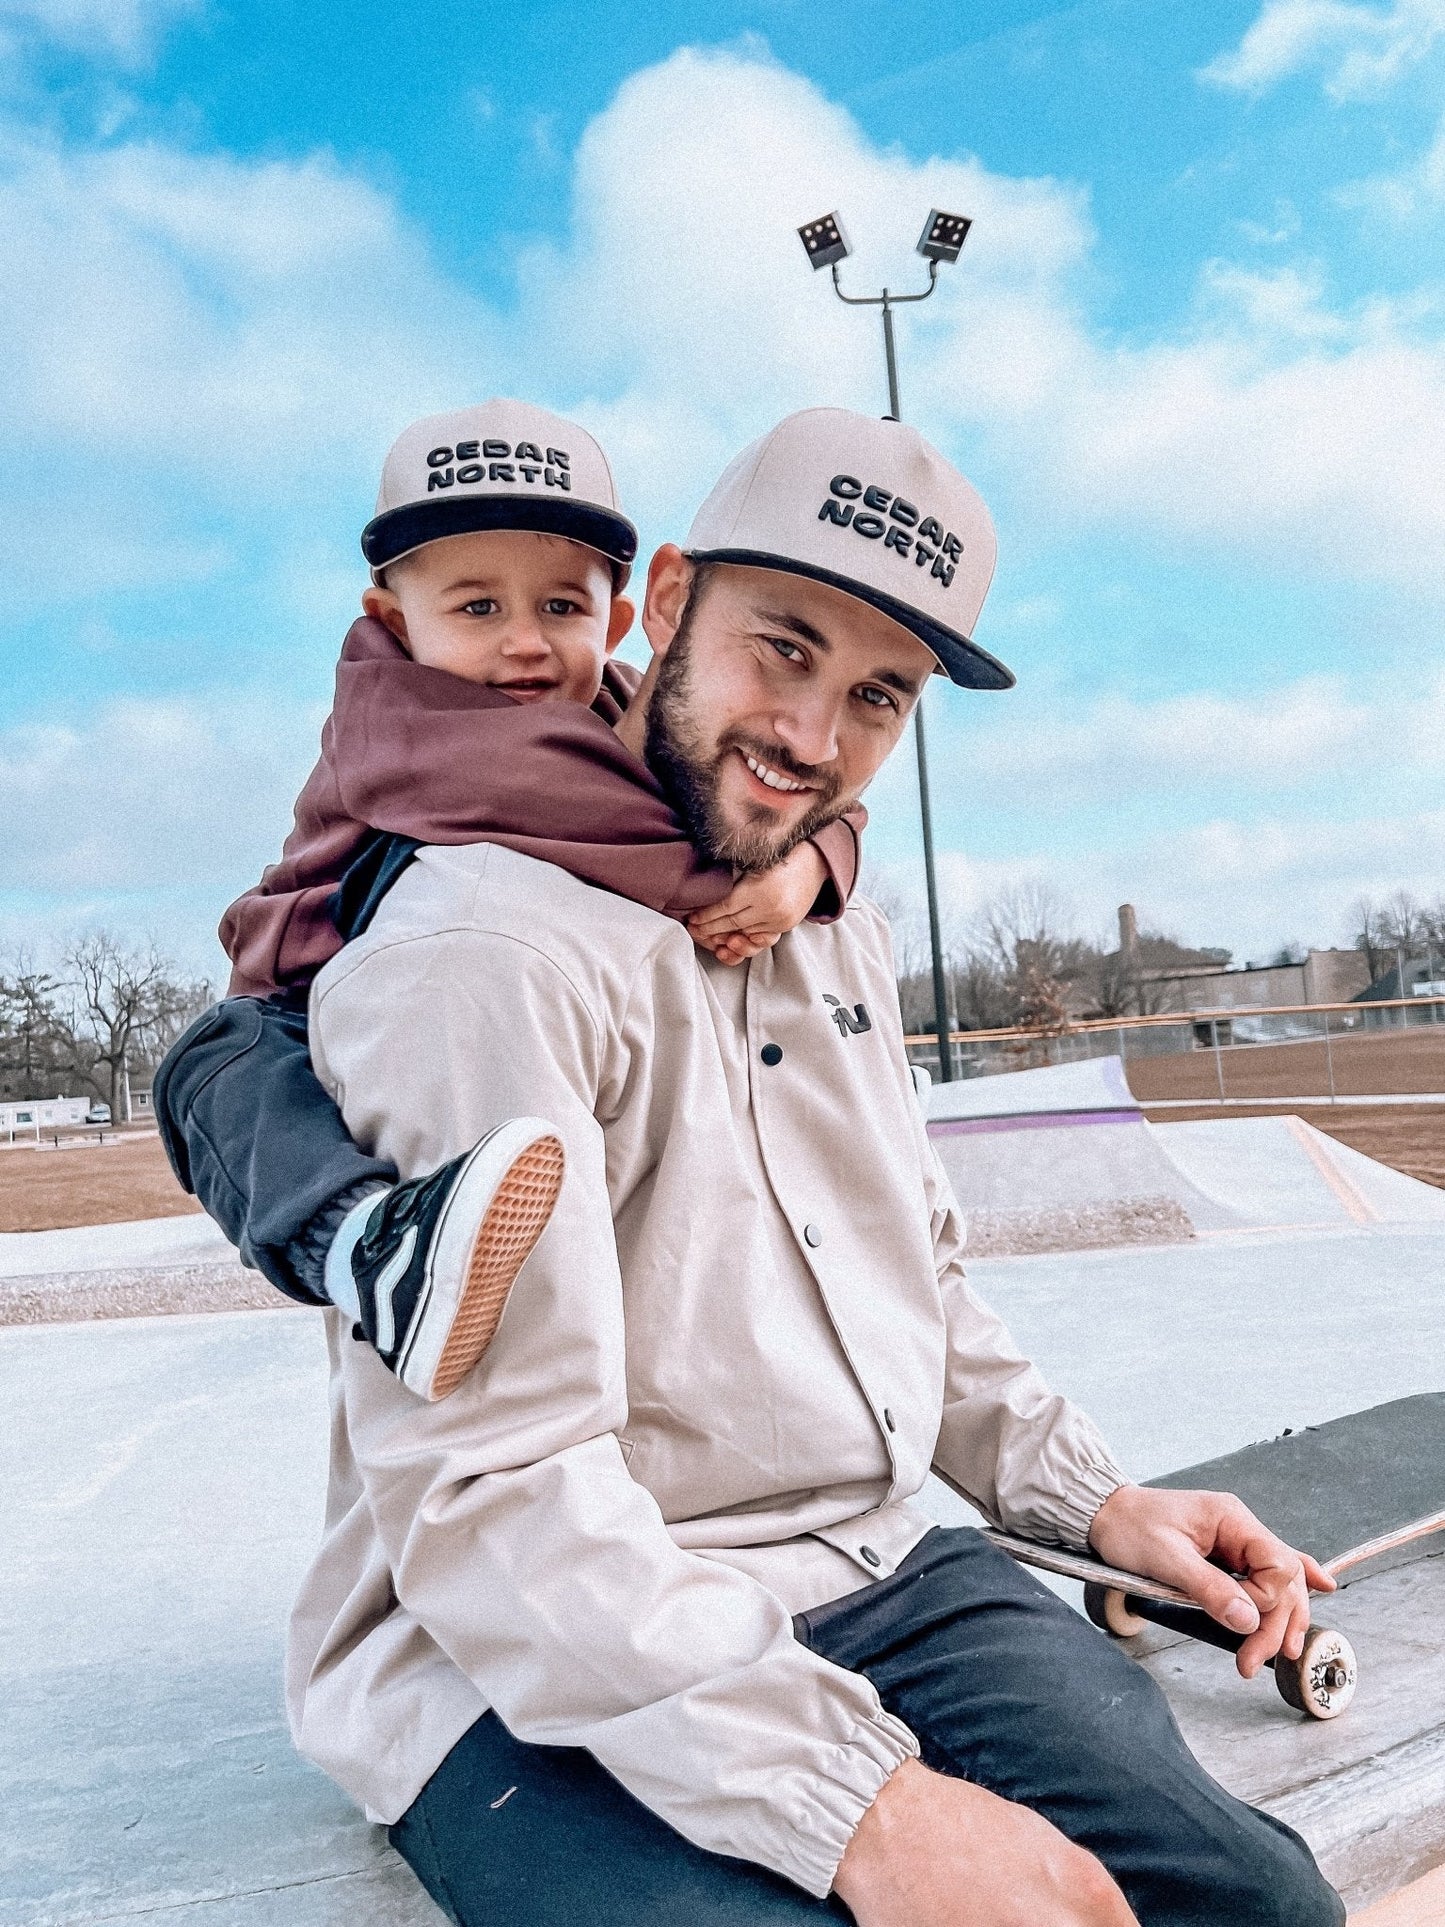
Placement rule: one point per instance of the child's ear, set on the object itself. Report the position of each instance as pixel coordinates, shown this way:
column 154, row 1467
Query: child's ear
column 382, row 606
column 623, row 615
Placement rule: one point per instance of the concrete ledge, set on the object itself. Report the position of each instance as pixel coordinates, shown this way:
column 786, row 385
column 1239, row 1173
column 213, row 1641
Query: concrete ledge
column 1377, row 1825
column 62, row 1297
column 1367, row 1790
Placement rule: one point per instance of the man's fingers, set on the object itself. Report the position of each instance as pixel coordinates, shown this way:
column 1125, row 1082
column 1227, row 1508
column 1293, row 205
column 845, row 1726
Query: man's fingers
column 1270, row 1639
column 1316, row 1578
column 1220, row 1596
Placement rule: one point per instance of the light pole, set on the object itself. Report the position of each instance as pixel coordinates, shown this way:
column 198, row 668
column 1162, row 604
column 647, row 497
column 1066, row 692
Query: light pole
column 942, row 240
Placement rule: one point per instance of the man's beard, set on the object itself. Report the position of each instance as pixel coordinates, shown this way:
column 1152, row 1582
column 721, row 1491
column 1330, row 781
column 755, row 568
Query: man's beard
column 690, row 772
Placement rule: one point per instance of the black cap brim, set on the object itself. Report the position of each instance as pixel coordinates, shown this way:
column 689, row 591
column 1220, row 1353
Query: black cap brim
column 400, row 530
column 962, row 660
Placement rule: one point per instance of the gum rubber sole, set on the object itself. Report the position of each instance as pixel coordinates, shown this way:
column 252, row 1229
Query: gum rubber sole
column 514, row 1221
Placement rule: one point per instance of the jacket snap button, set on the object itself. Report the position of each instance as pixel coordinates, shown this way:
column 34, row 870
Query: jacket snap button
column 812, row 1236
column 870, row 1555
column 771, row 1053
column 888, row 1419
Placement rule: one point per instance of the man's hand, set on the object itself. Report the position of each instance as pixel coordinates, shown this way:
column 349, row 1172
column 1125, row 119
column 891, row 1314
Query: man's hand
column 762, row 906
column 937, row 1852
column 1195, row 1540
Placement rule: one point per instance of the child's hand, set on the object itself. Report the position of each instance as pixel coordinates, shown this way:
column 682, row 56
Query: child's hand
column 761, row 907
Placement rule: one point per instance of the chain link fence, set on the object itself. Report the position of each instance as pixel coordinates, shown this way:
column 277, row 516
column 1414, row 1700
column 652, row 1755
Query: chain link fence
column 1315, row 1052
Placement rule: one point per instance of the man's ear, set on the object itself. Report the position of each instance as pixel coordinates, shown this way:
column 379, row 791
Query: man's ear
column 382, row 606
column 669, row 583
column 620, row 621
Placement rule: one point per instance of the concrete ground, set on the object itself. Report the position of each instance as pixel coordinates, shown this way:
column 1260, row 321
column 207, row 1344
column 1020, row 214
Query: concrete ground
column 162, row 1488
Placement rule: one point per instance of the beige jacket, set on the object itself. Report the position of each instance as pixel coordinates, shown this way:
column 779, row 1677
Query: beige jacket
column 720, row 1380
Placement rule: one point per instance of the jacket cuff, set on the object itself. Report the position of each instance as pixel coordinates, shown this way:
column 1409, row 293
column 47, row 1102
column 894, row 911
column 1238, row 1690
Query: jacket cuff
column 1097, row 1482
column 825, row 1812
column 837, row 844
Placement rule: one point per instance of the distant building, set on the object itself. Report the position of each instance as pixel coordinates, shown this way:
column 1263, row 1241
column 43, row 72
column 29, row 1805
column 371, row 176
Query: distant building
column 1323, row 977
column 28, row 1117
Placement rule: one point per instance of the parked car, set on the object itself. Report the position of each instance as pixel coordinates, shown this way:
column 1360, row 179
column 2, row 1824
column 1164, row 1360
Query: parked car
column 98, row 1114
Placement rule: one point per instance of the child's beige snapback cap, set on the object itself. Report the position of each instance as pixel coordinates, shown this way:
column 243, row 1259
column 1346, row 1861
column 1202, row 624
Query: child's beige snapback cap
column 498, row 465
column 872, row 509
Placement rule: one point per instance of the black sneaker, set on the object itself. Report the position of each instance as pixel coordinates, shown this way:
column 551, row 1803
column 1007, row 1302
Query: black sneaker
column 439, row 1254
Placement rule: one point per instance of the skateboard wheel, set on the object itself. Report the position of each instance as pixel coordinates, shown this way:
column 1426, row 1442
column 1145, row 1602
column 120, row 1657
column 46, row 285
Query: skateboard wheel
column 1110, row 1612
column 1321, row 1682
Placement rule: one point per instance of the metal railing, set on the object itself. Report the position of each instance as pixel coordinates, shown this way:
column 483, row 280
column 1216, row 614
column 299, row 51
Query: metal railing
column 1255, row 1054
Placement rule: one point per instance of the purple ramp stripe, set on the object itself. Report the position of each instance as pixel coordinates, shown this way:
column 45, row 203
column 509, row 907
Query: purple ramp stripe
column 1029, row 1121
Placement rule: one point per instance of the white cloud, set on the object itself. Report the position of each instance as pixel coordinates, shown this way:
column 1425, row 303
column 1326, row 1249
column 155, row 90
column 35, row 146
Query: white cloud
column 218, row 351
column 1414, row 191
column 215, row 315
column 1363, row 49
column 1246, row 884
column 1224, row 819
column 142, row 794
column 189, row 338
column 249, row 330
column 1270, row 424
column 125, row 28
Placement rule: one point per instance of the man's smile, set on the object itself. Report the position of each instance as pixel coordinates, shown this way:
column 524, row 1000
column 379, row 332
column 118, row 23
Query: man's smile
column 773, row 779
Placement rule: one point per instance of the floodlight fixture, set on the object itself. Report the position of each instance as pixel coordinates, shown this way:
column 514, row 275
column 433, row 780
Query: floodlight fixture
column 825, row 241
column 943, row 235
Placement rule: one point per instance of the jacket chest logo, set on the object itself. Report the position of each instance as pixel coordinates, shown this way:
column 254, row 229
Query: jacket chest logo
column 850, row 1022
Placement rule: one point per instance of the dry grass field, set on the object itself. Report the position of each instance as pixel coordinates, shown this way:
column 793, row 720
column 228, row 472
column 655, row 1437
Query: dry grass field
column 1369, row 1064
column 128, row 1177
column 125, row 1178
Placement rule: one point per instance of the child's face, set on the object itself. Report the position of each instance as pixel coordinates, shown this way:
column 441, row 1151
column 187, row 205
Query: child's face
column 530, row 614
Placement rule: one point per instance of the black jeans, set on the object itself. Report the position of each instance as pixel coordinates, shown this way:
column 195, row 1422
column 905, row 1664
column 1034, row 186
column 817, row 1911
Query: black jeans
column 249, row 1128
column 1002, row 1683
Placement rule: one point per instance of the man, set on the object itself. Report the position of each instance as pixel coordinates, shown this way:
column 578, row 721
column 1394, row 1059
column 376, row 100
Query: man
column 642, row 1624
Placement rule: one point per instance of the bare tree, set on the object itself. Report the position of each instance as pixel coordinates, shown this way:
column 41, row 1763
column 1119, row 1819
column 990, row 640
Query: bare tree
column 125, row 1008
column 1397, row 927
column 1024, row 935
column 31, row 1036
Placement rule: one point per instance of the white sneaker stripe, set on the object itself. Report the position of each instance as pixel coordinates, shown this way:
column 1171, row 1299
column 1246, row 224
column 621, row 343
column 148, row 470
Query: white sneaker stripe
column 390, row 1276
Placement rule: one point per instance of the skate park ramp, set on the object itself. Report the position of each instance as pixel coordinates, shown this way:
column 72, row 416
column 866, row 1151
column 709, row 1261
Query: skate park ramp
column 1063, row 1158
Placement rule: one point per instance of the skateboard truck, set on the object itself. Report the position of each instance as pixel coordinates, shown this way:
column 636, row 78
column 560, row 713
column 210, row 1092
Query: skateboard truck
column 1321, row 1682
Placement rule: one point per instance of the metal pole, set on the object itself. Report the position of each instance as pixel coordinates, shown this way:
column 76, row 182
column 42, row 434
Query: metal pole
column 1330, row 1060
column 940, row 980
column 887, row 301
column 893, row 408
column 1218, row 1060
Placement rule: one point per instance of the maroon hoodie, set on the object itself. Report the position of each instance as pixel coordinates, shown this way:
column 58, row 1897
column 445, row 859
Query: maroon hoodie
column 424, row 754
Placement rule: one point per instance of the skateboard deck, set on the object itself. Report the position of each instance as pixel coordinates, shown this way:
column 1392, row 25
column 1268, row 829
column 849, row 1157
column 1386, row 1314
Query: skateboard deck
column 1359, row 1494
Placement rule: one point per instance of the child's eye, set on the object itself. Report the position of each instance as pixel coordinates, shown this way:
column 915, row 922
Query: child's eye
column 560, row 605
column 484, row 605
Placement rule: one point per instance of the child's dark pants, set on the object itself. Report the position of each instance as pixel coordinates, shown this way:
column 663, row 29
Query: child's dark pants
column 250, row 1130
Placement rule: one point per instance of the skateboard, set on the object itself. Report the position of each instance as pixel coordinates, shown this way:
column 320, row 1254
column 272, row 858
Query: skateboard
column 1359, row 1494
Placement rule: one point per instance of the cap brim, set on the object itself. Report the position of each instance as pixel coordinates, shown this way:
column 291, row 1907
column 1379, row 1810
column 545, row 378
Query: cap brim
column 396, row 533
column 961, row 659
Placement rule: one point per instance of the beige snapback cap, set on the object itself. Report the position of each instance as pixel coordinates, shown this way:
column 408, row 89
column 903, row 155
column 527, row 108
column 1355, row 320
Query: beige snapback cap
column 498, row 465
column 871, row 508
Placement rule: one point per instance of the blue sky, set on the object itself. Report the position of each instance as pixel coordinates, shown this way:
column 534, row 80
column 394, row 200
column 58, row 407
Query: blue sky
column 1194, row 355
